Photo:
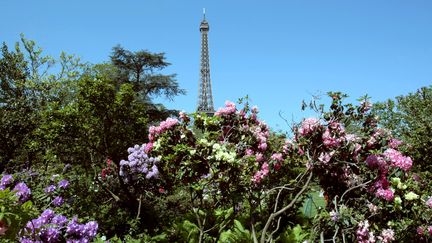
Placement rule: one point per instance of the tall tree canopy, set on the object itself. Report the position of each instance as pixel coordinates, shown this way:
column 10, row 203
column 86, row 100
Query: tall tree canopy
column 140, row 69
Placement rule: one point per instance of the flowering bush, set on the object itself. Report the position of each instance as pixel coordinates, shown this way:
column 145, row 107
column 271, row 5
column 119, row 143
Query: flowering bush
column 370, row 193
column 229, row 177
column 51, row 227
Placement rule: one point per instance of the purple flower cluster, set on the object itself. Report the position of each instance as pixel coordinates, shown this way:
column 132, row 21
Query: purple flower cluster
column 51, row 227
column 22, row 191
column 49, row 189
column 138, row 163
column 63, row 184
column 58, row 200
column 394, row 143
column 5, row 181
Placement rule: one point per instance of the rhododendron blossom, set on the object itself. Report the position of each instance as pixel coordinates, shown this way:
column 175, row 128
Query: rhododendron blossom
column 277, row 157
column 377, row 162
column 429, row 202
column 325, row 157
column 259, row 175
column 386, row 194
column 397, row 159
column 259, row 157
column 22, row 191
column 163, row 126
column 329, row 140
column 230, row 108
column 411, row 196
column 387, row 235
column 394, row 143
column 308, row 126
column 363, row 234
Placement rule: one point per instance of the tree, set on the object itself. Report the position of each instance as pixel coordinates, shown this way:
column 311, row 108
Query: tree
column 28, row 86
column 138, row 68
column 408, row 117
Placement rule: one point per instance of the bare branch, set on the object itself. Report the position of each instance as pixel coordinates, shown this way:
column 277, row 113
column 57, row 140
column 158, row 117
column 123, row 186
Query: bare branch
column 276, row 214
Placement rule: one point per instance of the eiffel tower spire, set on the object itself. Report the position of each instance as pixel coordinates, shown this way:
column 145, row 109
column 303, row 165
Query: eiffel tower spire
column 205, row 98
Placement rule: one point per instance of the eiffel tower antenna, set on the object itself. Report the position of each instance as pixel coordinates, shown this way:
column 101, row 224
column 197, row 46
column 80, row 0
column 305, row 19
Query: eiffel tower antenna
column 205, row 97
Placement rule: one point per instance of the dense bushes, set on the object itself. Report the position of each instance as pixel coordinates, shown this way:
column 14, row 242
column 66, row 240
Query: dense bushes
column 192, row 177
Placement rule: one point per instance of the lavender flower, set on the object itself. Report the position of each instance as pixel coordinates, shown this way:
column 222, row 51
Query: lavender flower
column 138, row 163
column 63, row 184
column 73, row 228
column 50, row 189
column 5, row 181
column 47, row 215
column 22, row 192
column 59, row 220
column 51, row 235
column 90, row 229
column 58, row 201
column 49, row 227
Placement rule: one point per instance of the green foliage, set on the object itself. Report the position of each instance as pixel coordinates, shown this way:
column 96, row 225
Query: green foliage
column 14, row 215
column 295, row 234
column 237, row 234
column 408, row 117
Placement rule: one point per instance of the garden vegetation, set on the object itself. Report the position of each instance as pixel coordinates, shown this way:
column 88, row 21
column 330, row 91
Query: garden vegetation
column 88, row 156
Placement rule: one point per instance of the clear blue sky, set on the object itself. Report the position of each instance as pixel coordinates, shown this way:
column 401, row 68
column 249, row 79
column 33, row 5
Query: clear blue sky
column 277, row 52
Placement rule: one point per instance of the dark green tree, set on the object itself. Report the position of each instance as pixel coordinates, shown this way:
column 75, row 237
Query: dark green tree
column 140, row 69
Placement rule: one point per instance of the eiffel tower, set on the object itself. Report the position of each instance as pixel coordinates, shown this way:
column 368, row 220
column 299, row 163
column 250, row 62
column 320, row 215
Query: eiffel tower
column 205, row 98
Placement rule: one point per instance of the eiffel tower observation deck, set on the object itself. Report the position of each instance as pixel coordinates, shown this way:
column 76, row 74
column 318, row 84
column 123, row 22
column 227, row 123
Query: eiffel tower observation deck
column 205, row 97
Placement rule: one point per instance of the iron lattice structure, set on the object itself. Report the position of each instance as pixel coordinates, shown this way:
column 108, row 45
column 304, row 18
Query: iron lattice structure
column 205, row 97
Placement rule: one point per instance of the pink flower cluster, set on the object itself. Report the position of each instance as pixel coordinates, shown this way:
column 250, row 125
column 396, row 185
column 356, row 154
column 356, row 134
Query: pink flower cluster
column 387, row 235
column 163, row 126
column 377, row 162
column 277, row 157
column 259, row 157
column 287, row 146
column 363, row 234
column 308, row 126
column 259, row 175
column 330, row 140
column 394, row 143
column 229, row 109
column 386, row 194
column 337, row 126
column 254, row 112
column 421, row 229
column 261, row 133
column 429, row 202
column 183, row 116
column 397, row 159
column 325, row 157
column 378, row 134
